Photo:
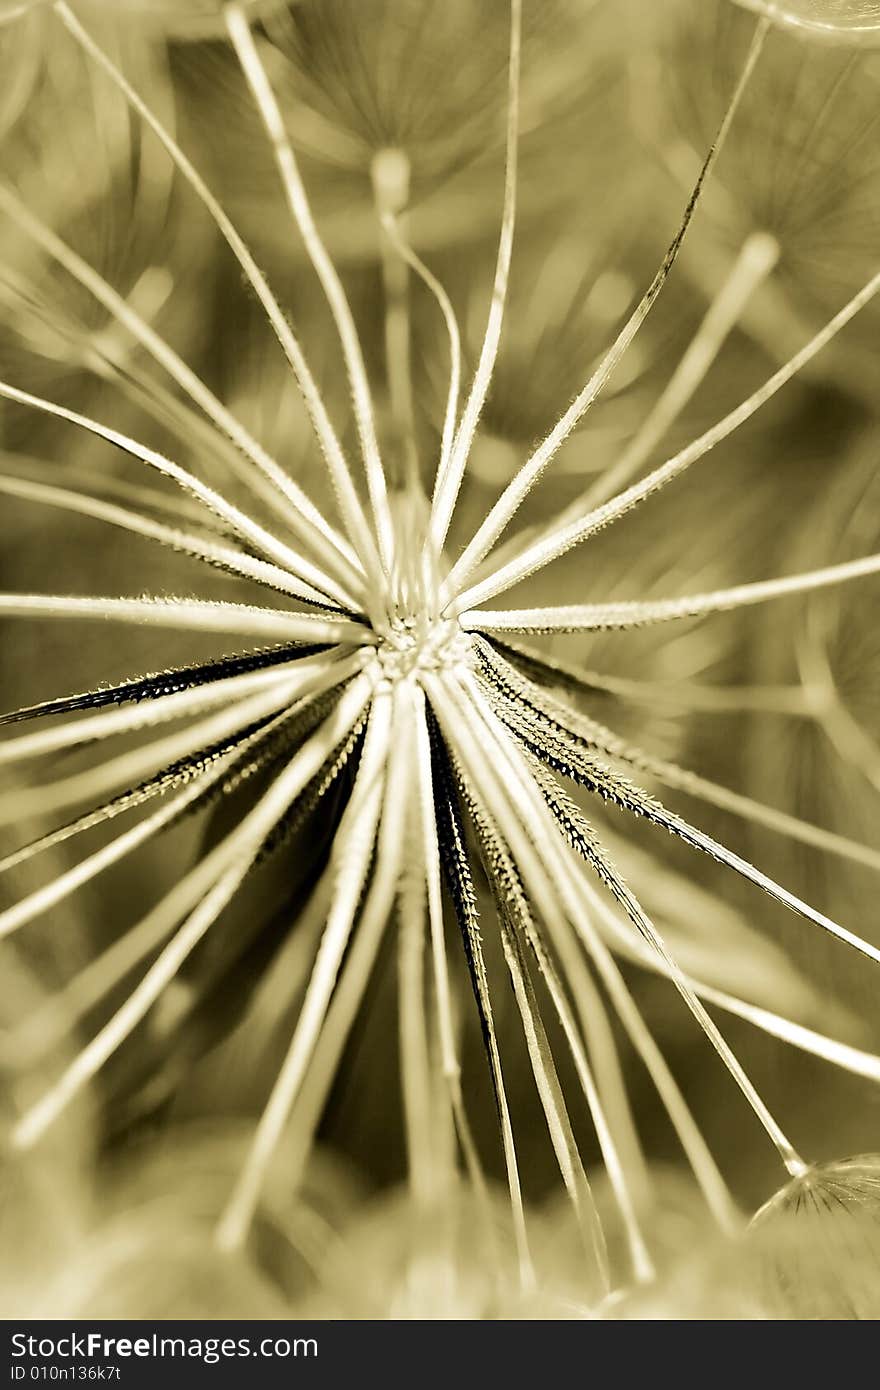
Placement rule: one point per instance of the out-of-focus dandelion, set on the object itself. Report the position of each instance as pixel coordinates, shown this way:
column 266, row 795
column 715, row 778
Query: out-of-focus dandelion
column 711, row 1283
column 818, row 1241
column 373, row 686
column 457, row 1260
column 139, row 1267
column 826, row 756
column 160, row 1201
column 45, row 1195
column 846, row 21
column 355, row 83
column 801, row 165
column 178, row 19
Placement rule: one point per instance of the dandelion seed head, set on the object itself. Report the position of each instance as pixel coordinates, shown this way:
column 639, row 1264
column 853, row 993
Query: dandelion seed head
column 817, row 1242
column 415, row 644
column 138, row 1266
column 181, row 19
column 457, row 1260
column 385, row 719
column 836, row 21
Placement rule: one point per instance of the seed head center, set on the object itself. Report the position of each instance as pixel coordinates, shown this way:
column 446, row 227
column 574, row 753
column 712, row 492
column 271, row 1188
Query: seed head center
column 412, row 644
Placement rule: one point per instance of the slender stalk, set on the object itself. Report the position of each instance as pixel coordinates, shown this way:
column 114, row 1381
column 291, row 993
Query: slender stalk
column 244, row 526
column 210, row 886
column 597, row 617
column 187, row 615
column 252, row 66
column 559, row 542
column 390, row 175
column 352, row 857
column 222, row 557
column 405, row 251
column 756, row 260
column 349, row 506
column 255, row 467
column 451, row 470
column 533, row 469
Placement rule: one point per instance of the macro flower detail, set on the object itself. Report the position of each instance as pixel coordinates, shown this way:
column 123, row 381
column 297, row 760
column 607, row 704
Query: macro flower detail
column 366, row 690
column 841, row 20
column 820, row 1257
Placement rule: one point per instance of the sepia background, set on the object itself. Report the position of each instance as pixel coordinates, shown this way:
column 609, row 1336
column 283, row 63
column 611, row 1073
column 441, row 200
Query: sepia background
column 113, row 1213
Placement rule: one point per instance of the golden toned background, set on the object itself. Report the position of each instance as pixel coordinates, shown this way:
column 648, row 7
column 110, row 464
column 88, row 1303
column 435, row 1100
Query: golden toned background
column 620, row 100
